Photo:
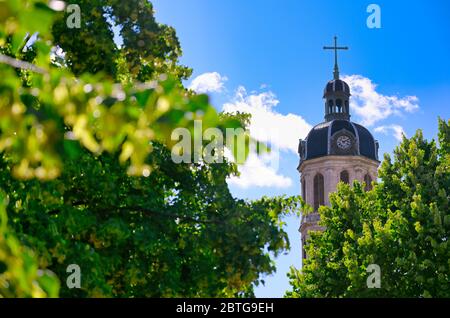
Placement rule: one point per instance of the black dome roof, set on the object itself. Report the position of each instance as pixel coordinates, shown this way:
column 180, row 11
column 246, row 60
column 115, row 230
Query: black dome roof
column 318, row 141
column 336, row 85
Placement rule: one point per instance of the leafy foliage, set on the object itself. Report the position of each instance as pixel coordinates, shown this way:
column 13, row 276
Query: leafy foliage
column 86, row 165
column 148, row 50
column 40, row 121
column 403, row 225
column 19, row 274
column 178, row 232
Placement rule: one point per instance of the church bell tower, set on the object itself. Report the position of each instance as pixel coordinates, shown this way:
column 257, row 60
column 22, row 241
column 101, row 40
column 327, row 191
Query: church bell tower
column 336, row 150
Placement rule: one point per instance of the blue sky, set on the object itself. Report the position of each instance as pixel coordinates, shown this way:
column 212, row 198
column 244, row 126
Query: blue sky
column 266, row 56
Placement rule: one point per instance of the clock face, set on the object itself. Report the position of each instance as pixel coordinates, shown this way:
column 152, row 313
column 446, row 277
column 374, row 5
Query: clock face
column 344, row 142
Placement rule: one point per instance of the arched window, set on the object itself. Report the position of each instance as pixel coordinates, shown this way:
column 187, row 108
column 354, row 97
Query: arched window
column 330, row 106
column 339, row 105
column 368, row 182
column 303, row 189
column 303, row 251
column 346, row 108
column 318, row 191
column 344, row 177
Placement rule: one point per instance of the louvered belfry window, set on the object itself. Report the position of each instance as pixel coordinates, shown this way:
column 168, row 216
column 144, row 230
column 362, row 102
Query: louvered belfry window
column 344, row 177
column 368, row 182
column 318, row 191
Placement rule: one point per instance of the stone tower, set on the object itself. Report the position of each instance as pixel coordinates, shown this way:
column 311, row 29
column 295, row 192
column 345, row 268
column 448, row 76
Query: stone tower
column 334, row 150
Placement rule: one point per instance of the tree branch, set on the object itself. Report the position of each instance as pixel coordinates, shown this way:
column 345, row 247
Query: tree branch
column 21, row 64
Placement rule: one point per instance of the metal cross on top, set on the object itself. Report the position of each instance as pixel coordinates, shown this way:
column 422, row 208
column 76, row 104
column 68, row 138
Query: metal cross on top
column 335, row 48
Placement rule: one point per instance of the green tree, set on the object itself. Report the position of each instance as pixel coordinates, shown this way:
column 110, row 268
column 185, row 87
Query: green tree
column 148, row 48
column 177, row 232
column 402, row 225
column 19, row 272
column 86, row 163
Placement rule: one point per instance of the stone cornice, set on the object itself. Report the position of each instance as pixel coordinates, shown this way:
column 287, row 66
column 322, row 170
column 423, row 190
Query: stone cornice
column 338, row 161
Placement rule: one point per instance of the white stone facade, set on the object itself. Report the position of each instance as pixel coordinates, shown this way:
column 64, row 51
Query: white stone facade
column 330, row 167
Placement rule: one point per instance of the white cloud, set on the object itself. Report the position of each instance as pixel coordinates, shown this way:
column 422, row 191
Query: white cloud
column 258, row 171
column 397, row 131
column 281, row 132
column 208, row 83
column 371, row 106
column 267, row 125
